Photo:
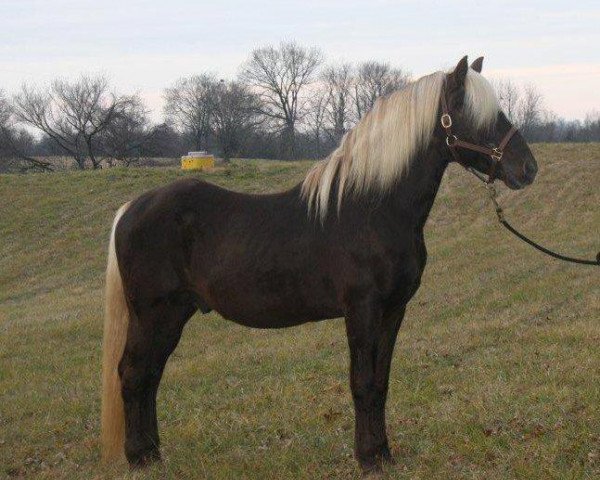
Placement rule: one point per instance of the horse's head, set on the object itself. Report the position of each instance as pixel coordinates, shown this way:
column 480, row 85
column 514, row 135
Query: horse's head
column 476, row 121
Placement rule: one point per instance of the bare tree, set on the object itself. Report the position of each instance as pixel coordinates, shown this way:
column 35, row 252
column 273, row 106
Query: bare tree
column 72, row 114
column 6, row 128
column 124, row 137
column 188, row 105
column 524, row 107
column 234, row 110
column 16, row 143
column 547, row 128
column 591, row 127
column 279, row 76
column 373, row 80
column 315, row 118
column 5, row 109
column 164, row 141
column 338, row 83
column 530, row 110
column 509, row 97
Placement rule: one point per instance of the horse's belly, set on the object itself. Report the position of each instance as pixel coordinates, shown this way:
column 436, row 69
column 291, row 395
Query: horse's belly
column 275, row 303
column 259, row 313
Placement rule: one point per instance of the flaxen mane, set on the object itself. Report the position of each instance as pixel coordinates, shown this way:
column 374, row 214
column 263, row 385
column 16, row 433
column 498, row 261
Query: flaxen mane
column 377, row 151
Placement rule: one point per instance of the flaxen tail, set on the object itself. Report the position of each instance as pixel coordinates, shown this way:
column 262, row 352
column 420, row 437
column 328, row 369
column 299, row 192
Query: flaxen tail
column 116, row 320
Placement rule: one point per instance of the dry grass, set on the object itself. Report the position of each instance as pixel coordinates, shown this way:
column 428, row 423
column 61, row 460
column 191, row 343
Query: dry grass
column 496, row 373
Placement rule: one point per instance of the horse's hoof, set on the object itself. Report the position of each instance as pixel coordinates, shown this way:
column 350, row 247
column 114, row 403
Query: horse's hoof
column 387, row 458
column 371, row 469
column 143, row 459
column 374, row 466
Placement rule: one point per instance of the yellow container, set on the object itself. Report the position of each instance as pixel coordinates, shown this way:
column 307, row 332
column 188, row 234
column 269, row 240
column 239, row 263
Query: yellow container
column 197, row 162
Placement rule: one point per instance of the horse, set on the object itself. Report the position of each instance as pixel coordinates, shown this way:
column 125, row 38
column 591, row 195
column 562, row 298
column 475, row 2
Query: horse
column 346, row 242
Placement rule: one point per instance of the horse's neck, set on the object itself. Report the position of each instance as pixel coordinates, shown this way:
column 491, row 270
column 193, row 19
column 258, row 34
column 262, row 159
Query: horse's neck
column 415, row 192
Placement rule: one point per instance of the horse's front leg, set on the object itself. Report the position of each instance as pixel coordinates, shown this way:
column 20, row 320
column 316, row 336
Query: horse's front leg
column 363, row 323
column 371, row 337
column 386, row 340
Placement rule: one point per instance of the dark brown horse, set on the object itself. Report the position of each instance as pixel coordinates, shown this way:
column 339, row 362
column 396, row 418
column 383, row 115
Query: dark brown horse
column 346, row 242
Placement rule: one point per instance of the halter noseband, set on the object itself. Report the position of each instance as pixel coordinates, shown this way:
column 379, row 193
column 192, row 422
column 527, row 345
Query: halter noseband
column 454, row 142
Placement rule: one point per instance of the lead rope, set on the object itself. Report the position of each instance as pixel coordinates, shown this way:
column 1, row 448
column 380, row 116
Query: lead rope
column 493, row 194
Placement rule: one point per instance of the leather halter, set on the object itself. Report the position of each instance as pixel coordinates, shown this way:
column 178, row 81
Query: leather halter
column 454, row 142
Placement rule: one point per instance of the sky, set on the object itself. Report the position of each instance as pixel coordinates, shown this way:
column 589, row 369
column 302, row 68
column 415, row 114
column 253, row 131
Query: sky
column 144, row 46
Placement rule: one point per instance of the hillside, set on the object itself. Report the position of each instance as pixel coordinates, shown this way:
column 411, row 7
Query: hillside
column 496, row 372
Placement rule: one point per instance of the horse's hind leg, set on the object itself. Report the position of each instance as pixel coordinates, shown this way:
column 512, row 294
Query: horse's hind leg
column 153, row 334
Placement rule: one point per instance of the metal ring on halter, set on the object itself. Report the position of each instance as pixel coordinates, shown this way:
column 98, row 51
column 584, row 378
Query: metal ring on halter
column 454, row 139
column 446, row 120
column 497, row 155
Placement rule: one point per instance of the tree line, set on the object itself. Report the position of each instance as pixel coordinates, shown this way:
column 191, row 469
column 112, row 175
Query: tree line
column 286, row 103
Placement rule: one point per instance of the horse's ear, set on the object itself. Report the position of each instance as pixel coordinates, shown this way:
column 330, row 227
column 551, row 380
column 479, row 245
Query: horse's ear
column 460, row 71
column 456, row 83
column 477, row 64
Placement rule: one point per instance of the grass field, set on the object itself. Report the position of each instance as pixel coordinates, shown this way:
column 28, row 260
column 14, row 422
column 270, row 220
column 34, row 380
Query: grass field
column 496, row 372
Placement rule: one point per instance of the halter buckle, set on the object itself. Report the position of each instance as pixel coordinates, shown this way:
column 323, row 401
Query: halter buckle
column 451, row 140
column 497, row 154
column 446, row 120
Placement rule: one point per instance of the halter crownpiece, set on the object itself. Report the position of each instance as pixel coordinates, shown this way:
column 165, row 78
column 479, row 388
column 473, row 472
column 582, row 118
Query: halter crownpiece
column 454, row 142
